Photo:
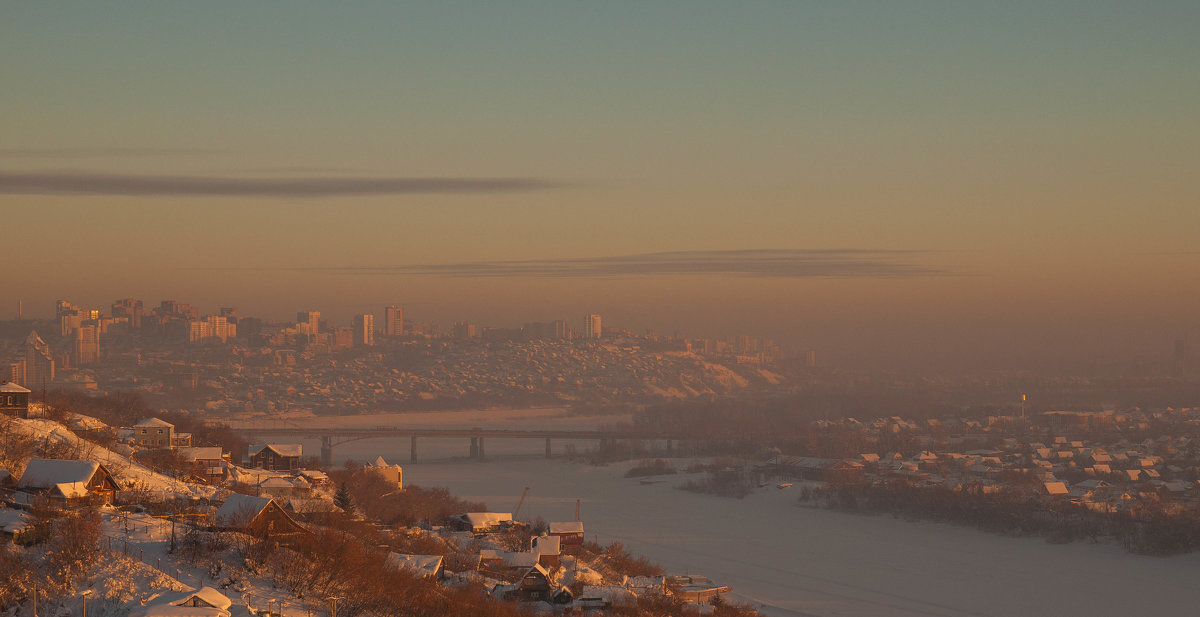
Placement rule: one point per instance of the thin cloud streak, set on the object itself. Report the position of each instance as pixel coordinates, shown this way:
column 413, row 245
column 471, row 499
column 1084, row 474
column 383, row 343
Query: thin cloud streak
column 75, row 183
column 79, row 153
column 786, row 263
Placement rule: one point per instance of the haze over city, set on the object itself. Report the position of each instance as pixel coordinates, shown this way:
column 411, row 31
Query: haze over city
column 932, row 182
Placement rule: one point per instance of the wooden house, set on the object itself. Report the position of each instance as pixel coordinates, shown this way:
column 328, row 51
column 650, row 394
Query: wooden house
column 569, row 534
column 423, row 566
column 547, row 548
column 534, row 586
column 208, row 464
column 69, row 482
column 259, row 516
column 276, row 456
column 14, row 399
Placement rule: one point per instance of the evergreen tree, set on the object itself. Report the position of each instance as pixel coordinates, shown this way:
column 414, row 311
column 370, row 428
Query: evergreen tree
column 343, row 500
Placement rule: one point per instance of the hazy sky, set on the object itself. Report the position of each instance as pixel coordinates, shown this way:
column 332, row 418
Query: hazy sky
column 952, row 180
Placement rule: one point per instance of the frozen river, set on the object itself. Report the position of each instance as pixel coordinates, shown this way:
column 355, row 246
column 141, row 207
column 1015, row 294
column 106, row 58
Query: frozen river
column 787, row 559
column 799, row 561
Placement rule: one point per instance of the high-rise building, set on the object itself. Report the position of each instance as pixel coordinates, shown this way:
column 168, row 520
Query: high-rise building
column 393, row 320
column 87, row 345
column 39, row 361
column 130, row 308
column 310, row 322
column 463, row 330
column 591, row 326
column 364, row 329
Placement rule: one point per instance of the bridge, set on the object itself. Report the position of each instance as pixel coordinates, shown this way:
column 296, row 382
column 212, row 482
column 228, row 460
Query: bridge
column 331, row 436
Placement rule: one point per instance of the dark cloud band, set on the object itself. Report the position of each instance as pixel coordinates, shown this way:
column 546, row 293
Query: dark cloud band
column 833, row 263
column 70, row 183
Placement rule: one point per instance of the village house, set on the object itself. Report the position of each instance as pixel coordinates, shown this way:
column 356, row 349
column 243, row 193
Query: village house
column 481, row 523
column 207, row 464
column 69, row 482
column 258, row 516
column 547, row 548
column 423, row 566
column 276, row 456
column 569, row 534
column 534, row 586
column 156, row 433
column 14, row 399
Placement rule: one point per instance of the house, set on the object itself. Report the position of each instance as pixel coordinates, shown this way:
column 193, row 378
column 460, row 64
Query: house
column 569, row 534
column 208, row 464
column 154, row 433
column 276, row 456
column 204, row 597
column 276, row 486
column 72, row 482
column 547, row 548
column 534, row 586
column 499, row 561
column 1055, row 488
column 14, row 399
column 259, row 516
column 481, row 523
column 393, row 474
column 423, row 566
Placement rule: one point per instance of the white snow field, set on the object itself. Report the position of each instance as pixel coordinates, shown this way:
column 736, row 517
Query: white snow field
column 792, row 560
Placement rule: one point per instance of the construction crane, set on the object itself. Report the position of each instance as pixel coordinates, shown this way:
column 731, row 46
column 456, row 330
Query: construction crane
column 577, row 508
column 517, row 512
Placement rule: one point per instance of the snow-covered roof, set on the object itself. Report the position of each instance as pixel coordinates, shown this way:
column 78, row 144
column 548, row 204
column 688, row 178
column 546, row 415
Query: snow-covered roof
column 170, row 610
column 276, row 483
column 567, row 527
column 12, row 521
column 282, row 449
column 239, row 509
column 208, row 596
column 44, row 472
column 546, row 545
column 423, row 565
column 379, row 462
column 487, row 519
column 12, row 388
column 155, row 423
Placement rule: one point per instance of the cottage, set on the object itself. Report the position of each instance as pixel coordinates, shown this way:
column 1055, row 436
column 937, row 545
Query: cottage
column 71, row 482
column 204, row 597
column 276, row 456
column 482, row 523
column 423, row 566
column 547, row 548
column 154, row 433
column 569, row 534
column 14, row 399
column 208, row 464
column 259, row 516
column 699, row 589
column 534, row 586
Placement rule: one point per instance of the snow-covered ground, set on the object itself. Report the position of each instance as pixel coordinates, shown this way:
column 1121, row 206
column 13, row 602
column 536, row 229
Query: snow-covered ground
column 800, row 561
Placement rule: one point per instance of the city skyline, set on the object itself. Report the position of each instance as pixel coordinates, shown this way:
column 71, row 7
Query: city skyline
column 1000, row 184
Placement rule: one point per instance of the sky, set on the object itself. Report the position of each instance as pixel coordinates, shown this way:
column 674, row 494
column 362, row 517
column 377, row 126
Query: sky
column 943, row 182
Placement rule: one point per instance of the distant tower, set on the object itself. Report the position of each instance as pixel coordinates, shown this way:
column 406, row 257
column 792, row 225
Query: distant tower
column 393, row 320
column 591, row 326
column 810, row 358
column 364, row 330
